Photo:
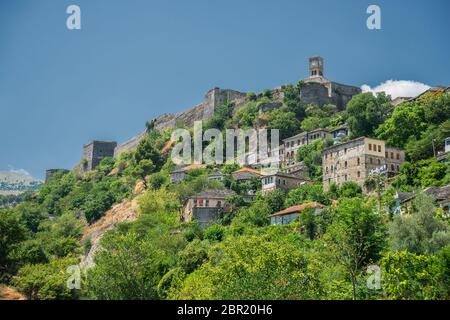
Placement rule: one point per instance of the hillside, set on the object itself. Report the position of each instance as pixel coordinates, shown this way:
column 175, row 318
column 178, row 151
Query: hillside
column 143, row 228
column 13, row 183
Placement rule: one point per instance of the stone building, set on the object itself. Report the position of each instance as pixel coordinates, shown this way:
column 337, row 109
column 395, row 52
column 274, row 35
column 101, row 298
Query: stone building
column 180, row 173
column 202, row 111
column 320, row 91
column 290, row 214
column 355, row 160
column 292, row 144
column 281, row 181
column 94, row 152
column 245, row 174
column 206, row 206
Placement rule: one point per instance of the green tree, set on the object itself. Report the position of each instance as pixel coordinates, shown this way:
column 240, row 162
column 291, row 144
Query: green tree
column 421, row 232
column 252, row 267
column 355, row 238
column 307, row 193
column 417, row 277
column 407, row 121
column 46, row 281
column 127, row 267
column 285, row 121
column 438, row 109
column 365, row 112
column 12, row 231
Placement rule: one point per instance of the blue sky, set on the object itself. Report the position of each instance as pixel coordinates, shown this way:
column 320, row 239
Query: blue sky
column 134, row 60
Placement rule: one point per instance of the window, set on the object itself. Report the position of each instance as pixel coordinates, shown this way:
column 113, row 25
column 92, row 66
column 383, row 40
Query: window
column 386, row 154
column 326, row 169
column 398, row 156
column 392, row 167
column 219, row 203
column 206, row 203
column 392, row 155
column 345, row 164
column 398, row 168
column 370, row 146
column 358, row 174
column 371, row 161
column 346, row 177
column 358, row 161
column 379, row 148
column 200, row 202
column 379, row 161
column 345, row 150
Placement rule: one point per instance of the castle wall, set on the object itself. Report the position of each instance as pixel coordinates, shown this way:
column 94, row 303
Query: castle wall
column 316, row 93
column 95, row 151
column 129, row 145
column 342, row 94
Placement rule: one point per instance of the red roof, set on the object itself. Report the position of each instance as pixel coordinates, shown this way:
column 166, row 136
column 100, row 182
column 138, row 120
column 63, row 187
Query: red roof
column 299, row 208
column 249, row 170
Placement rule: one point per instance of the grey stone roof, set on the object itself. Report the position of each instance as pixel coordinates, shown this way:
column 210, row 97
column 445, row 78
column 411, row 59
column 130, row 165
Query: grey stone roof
column 405, row 196
column 440, row 193
column 213, row 194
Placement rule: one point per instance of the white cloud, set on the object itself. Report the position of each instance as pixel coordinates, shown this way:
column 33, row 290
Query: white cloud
column 398, row 88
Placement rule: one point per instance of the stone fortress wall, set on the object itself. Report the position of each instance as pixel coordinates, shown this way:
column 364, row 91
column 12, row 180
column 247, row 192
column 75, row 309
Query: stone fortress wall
column 316, row 89
column 203, row 111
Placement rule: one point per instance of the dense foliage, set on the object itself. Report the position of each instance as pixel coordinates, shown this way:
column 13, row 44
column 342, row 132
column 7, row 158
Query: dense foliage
column 243, row 256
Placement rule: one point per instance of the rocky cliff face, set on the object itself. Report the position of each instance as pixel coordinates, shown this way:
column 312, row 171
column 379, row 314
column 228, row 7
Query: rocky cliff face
column 121, row 212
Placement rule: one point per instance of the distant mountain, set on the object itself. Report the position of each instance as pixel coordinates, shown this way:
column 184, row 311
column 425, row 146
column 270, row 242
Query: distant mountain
column 14, row 182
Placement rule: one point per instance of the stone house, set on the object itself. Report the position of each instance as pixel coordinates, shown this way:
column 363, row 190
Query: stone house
column 403, row 200
column 217, row 176
column 281, row 181
column 402, row 203
column 180, row 173
column 246, row 173
column 290, row 214
column 357, row 159
column 292, row 144
column 206, row 206
column 442, row 196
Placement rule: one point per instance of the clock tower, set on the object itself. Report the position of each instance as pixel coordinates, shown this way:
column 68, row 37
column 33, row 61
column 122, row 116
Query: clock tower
column 315, row 67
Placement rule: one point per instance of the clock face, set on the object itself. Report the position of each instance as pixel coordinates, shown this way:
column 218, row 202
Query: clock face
column 314, row 63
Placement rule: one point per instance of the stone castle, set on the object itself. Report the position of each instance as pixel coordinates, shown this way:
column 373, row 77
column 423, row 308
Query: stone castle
column 316, row 89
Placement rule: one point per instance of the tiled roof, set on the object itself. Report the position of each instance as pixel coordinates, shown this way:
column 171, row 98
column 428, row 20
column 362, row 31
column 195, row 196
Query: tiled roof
column 299, row 208
column 284, row 174
column 442, row 193
column 405, row 196
column 213, row 193
column 251, row 170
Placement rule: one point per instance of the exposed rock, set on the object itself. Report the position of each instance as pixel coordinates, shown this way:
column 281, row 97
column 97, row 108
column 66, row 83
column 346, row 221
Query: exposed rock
column 9, row 293
column 125, row 211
